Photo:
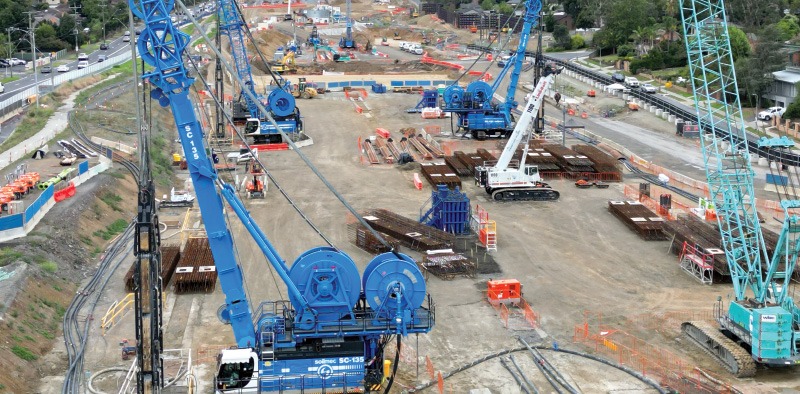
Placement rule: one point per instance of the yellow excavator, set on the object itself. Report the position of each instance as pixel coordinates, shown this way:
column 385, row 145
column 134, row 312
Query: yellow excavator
column 302, row 90
column 286, row 65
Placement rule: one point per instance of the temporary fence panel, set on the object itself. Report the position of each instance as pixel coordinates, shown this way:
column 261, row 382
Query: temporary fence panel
column 33, row 209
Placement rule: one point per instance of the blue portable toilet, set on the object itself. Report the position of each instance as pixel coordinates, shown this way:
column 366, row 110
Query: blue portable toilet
column 449, row 210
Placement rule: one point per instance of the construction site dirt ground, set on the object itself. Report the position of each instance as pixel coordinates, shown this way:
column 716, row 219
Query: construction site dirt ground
column 574, row 259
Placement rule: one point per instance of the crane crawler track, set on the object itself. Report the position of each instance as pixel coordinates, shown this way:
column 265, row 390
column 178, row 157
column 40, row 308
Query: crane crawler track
column 525, row 194
column 733, row 357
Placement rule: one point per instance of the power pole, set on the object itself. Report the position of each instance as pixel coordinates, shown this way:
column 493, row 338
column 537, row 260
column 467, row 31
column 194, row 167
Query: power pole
column 9, row 50
column 75, row 9
column 103, row 5
column 33, row 50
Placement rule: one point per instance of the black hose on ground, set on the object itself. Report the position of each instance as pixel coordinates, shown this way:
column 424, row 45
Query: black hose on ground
column 530, row 384
column 473, row 363
column 394, row 368
column 514, row 375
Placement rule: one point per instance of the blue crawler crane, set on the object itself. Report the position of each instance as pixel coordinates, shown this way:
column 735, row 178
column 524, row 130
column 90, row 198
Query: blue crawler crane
column 280, row 102
column 329, row 336
column 473, row 105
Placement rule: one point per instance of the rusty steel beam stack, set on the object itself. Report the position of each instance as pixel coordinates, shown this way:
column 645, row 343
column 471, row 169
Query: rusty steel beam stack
column 471, row 160
column 457, row 166
column 426, row 154
column 436, row 152
column 372, row 155
column 639, row 218
column 603, row 162
column 393, row 148
column 196, row 271
column 388, row 157
column 541, row 158
column 447, row 266
column 570, row 160
column 679, row 232
column 440, row 174
column 169, row 261
column 364, row 239
column 486, row 155
column 410, row 233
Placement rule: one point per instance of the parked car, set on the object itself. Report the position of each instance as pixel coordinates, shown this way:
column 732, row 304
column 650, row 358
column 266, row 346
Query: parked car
column 62, row 68
column 103, row 46
column 46, row 70
column 4, row 63
column 618, row 77
column 126, row 38
column 770, row 113
column 101, row 58
column 632, row 82
column 648, row 88
column 83, row 56
column 83, row 64
column 16, row 62
column 416, row 49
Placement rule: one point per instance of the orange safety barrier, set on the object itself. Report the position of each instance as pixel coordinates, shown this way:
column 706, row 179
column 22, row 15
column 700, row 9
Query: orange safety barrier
column 584, row 115
column 417, row 181
column 269, row 147
column 382, row 132
column 440, row 383
column 570, row 112
column 359, row 109
column 65, row 193
column 489, row 57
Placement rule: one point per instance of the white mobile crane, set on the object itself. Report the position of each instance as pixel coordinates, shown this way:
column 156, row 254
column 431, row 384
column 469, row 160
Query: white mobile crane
column 504, row 182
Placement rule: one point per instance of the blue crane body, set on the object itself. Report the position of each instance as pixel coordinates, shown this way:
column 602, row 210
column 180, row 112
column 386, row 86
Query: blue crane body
column 281, row 103
column 762, row 316
column 473, row 106
column 331, row 332
column 347, row 41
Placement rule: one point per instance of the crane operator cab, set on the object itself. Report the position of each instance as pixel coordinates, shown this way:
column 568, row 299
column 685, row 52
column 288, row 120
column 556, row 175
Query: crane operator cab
column 236, row 370
column 252, row 126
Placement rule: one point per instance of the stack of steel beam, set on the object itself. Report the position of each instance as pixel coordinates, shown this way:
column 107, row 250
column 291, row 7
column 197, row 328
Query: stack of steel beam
column 383, row 147
column 471, row 160
column 369, row 149
column 423, row 151
column 440, row 174
column 603, row 162
column 196, row 271
column 570, row 160
column 639, row 218
column 364, row 239
column 684, row 230
column 457, row 166
column 486, row 155
column 541, row 158
column 447, row 266
column 436, row 152
column 410, row 233
column 169, row 260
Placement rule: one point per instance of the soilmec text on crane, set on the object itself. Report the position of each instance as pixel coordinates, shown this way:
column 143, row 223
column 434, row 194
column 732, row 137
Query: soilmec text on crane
column 331, row 333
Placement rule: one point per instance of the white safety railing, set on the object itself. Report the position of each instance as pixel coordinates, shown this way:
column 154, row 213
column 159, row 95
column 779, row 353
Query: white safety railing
column 57, row 79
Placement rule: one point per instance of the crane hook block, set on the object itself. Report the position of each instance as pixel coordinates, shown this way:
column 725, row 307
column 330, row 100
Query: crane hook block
column 281, row 103
column 392, row 275
column 329, row 282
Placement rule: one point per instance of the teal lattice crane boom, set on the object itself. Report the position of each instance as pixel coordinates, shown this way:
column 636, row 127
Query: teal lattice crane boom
column 761, row 315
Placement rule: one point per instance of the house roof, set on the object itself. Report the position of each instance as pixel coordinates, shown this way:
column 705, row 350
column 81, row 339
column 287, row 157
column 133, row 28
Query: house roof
column 787, row 76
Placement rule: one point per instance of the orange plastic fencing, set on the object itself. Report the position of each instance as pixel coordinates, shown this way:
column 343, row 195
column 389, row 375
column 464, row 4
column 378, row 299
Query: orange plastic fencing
column 440, row 383
column 664, row 366
column 530, row 316
column 429, row 367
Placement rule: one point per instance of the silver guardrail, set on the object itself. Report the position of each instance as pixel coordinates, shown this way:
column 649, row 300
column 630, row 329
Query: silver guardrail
column 55, row 79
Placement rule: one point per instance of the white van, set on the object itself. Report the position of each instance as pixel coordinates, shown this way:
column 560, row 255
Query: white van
column 416, row 49
column 83, row 64
column 632, row 82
